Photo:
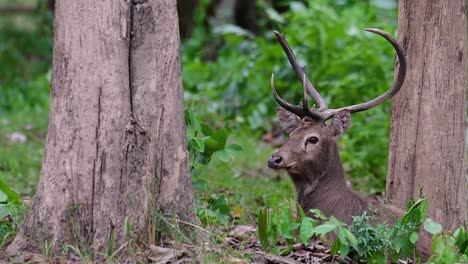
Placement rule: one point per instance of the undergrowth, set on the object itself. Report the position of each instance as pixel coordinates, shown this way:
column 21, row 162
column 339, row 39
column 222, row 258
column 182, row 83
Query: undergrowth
column 230, row 108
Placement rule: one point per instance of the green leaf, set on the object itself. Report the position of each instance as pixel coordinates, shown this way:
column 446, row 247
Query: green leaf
column 351, row 238
column 192, row 119
column 223, row 155
column 231, row 29
column 335, row 247
column 235, row 147
column 263, row 227
column 377, row 258
column 6, row 209
column 414, row 237
column 206, row 129
column 318, row 213
column 274, row 15
column 3, row 197
column 13, row 196
column 461, row 237
column 416, row 212
column 432, row 227
column 324, row 228
column 344, row 249
column 306, row 231
column 301, row 211
column 197, row 144
column 217, row 141
column 398, row 244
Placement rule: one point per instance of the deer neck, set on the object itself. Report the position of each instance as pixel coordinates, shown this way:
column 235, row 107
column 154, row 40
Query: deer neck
column 325, row 188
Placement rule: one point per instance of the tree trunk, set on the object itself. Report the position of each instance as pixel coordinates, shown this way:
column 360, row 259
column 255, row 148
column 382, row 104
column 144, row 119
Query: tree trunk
column 246, row 15
column 428, row 115
column 115, row 152
column 186, row 10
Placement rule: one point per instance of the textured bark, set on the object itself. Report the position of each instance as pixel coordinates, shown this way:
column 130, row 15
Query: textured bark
column 158, row 101
column 428, row 115
column 115, row 149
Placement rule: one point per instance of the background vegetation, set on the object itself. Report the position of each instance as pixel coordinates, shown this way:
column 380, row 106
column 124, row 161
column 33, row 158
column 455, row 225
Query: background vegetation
column 226, row 72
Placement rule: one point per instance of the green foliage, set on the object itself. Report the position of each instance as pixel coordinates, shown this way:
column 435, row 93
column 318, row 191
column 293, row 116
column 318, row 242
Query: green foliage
column 373, row 241
column 205, row 142
column 11, row 212
column 25, row 58
column 283, row 225
column 447, row 247
column 278, row 224
column 347, row 66
column 213, row 211
column 363, row 240
column 405, row 230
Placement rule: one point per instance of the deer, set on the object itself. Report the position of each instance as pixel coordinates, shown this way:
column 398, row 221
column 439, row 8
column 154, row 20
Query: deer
column 311, row 155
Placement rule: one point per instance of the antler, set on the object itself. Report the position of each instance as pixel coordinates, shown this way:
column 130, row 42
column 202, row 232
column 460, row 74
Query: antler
column 300, row 72
column 322, row 113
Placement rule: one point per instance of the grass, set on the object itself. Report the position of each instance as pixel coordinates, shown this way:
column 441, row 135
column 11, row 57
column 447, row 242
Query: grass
column 21, row 161
column 247, row 182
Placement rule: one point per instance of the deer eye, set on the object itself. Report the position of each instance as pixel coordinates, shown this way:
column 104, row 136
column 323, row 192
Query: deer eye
column 312, row 140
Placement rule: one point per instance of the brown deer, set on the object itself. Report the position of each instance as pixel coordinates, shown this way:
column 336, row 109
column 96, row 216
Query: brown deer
column 311, row 155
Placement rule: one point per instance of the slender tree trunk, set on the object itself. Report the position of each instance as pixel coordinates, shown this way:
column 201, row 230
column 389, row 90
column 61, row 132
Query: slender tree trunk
column 186, row 10
column 429, row 114
column 246, row 15
column 115, row 151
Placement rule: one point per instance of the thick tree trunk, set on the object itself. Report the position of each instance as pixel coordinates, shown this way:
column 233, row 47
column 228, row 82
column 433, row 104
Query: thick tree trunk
column 428, row 116
column 115, row 150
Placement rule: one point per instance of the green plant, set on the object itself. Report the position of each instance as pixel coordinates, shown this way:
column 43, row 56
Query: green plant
column 362, row 240
column 204, row 143
column 447, row 247
column 405, row 232
column 373, row 240
column 279, row 224
column 347, row 66
column 283, row 225
column 11, row 212
column 85, row 256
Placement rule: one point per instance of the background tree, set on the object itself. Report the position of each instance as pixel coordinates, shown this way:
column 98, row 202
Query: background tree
column 115, row 152
column 186, row 10
column 427, row 141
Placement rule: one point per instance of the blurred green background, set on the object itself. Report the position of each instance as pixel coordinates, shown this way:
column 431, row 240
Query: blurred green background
column 228, row 55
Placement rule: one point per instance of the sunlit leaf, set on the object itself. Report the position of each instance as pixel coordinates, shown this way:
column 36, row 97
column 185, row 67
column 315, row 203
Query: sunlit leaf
column 306, row 231
column 414, row 237
column 324, row 228
column 432, row 227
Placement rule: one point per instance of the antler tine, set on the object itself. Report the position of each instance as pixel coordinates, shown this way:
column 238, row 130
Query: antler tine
column 400, row 79
column 297, row 110
column 314, row 114
column 322, row 105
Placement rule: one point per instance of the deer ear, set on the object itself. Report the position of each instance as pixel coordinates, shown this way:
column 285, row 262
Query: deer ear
column 288, row 120
column 341, row 122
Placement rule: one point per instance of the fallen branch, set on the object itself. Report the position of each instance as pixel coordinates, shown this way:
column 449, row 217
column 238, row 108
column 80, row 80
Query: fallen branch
column 17, row 9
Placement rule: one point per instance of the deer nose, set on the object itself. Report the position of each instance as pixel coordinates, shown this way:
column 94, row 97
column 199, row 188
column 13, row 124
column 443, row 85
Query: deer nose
column 274, row 161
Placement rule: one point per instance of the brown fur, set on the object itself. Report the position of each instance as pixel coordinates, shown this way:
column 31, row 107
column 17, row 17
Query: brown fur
column 318, row 176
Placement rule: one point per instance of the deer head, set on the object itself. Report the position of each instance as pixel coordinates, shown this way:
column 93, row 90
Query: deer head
column 311, row 154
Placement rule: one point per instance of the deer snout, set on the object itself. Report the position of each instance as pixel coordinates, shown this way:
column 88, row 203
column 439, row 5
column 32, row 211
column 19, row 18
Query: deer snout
column 275, row 161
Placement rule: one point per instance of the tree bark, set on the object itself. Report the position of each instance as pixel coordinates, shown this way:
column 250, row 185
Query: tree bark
column 427, row 137
column 115, row 151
